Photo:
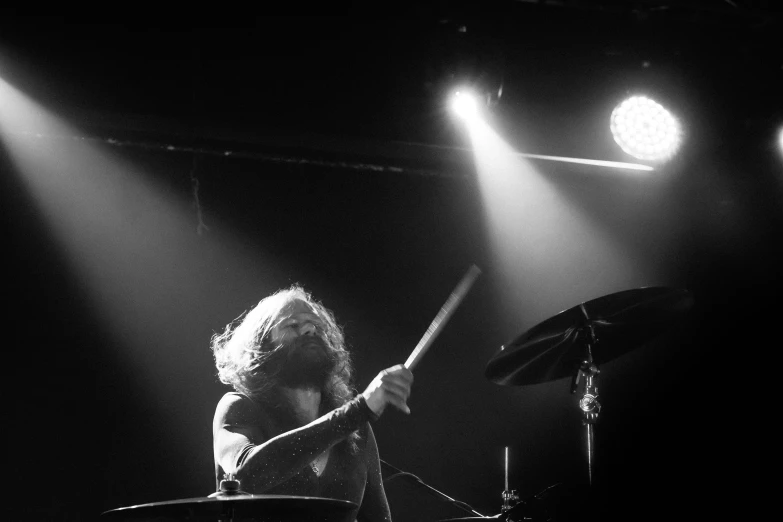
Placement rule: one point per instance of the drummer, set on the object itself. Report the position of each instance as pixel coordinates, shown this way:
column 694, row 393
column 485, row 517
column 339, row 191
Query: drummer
column 292, row 425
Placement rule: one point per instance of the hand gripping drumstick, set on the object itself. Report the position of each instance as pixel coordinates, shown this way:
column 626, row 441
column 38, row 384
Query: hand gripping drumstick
column 443, row 316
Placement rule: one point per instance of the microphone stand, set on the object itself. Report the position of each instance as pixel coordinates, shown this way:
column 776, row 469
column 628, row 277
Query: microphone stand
column 399, row 473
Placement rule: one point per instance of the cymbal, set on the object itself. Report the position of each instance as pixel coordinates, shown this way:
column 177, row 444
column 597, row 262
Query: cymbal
column 555, row 348
column 261, row 508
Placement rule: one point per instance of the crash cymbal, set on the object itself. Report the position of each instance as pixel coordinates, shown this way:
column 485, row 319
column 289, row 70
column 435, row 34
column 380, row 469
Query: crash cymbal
column 260, row 508
column 555, row 348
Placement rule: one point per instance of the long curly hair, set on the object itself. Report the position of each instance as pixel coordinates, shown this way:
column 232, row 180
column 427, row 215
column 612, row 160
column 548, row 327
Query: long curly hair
column 245, row 355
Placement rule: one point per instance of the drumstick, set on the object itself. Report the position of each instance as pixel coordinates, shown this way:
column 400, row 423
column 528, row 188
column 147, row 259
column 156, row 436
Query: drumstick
column 443, row 316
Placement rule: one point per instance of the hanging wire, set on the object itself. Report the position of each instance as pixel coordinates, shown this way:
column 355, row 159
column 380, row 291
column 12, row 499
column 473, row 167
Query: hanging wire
column 201, row 227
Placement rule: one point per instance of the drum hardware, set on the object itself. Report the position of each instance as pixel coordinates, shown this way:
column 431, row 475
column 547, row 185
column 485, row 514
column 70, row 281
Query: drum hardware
column 510, row 496
column 575, row 341
column 510, row 499
column 229, row 486
column 588, row 403
column 555, row 503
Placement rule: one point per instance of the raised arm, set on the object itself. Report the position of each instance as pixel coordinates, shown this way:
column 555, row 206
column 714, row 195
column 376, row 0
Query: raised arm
column 241, row 447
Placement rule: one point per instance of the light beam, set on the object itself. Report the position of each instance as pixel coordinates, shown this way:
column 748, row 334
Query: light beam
column 549, row 254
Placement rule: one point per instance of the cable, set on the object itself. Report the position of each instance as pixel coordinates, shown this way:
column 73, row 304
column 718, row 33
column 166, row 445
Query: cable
column 457, row 503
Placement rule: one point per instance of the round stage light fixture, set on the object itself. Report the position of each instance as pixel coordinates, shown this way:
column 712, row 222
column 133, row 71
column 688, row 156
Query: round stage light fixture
column 464, row 104
column 645, row 129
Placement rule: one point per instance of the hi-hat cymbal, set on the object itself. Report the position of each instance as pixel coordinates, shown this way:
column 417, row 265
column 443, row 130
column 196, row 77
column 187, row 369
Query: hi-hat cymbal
column 555, row 348
column 260, row 508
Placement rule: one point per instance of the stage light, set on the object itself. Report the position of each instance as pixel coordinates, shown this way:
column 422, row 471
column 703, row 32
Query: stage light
column 645, row 129
column 464, row 104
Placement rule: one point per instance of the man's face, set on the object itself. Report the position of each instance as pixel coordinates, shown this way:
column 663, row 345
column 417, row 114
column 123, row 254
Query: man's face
column 304, row 359
column 296, row 319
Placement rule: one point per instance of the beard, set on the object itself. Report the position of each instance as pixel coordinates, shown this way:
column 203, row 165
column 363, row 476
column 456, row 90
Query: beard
column 305, row 362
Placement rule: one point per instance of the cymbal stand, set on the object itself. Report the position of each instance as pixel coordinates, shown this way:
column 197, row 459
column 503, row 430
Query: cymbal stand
column 510, row 496
column 588, row 403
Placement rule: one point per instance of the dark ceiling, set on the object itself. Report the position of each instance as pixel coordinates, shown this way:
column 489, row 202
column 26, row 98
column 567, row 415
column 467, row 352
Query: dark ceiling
column 561, row 66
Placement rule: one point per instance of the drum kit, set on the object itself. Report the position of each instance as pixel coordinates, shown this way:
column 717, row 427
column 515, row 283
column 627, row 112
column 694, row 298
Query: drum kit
column 571, row 344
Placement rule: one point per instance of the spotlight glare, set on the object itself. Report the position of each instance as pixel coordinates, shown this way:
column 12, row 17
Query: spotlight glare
column 645, row 129
column 464, row 104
